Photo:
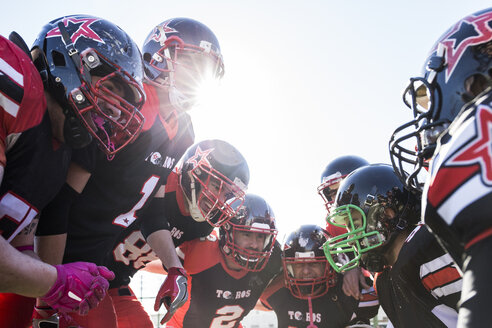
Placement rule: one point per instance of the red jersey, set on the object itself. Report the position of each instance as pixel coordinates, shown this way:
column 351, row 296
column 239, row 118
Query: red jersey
column 219, row 296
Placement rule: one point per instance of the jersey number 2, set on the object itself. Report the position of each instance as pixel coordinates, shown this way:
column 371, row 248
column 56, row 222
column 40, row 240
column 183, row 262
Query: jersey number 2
column 229, row 315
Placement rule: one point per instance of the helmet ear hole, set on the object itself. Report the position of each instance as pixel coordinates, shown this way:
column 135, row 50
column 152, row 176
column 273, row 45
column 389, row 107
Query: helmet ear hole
column 58, row 59
column 475, row 85
column 147, row 57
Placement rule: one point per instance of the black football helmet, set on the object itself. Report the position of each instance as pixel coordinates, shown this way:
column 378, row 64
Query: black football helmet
column 457, row 71
column 374, row 206
column 304, row 246
column 74, row 52
column 333, row 174
column 182, row 42
column 253, row 216
column 213, row 176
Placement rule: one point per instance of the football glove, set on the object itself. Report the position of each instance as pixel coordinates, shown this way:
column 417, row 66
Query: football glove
column 173, row 292
column 79, row 286
column 44, row 317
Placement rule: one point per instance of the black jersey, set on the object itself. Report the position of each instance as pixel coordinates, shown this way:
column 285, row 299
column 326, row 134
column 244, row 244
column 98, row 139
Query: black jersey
column 334, row 309
column 131, row 252
column 459, row 192
column 218, row 296
column 35, row 164
column 423, row 287
column 120, row 190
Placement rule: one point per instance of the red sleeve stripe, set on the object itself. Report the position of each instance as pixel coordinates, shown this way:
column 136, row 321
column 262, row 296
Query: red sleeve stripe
column 440, row 280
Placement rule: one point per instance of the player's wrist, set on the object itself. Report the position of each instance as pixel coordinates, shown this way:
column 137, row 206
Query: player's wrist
column 177, row 271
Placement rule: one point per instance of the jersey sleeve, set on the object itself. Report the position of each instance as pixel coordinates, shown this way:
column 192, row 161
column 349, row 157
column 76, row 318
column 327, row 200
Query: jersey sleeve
column 272, row 288
column 154, row 218
column 22, row 101
column 200, row 254
column 368, row 304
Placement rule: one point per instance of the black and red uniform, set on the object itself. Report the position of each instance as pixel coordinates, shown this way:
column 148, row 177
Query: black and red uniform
column 219, row 296
column 119, row 195
column 334, row 308
column 131, row 252
column 423, row 287
column 457, row 205
column 35, row 164
column 120, row 190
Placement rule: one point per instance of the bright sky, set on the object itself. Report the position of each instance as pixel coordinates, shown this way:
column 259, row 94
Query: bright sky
column 305, row 82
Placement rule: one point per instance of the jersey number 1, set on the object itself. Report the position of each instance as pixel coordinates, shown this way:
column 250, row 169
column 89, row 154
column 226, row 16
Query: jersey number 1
column 127, row 218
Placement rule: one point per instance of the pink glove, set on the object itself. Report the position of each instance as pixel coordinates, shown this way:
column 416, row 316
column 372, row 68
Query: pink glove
column 173, row 292
column 79, row 286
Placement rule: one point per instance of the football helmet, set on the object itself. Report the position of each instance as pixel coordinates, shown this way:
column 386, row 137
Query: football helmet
column 333, row 174
column 304, row 247
column 457, row 71
column 94, row 70
column 254, row 220
column 213, row 176
column 374, row 206
column 180, row 54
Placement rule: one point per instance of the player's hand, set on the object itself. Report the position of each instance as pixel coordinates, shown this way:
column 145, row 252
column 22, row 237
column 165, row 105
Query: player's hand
column 44, row 317
column 352, row 280
column 173, row 292
column 79, row 286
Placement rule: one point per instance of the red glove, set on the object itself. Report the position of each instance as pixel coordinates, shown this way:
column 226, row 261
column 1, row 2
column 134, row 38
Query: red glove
column 173, row 292
column 44, row 316
column 79, row 286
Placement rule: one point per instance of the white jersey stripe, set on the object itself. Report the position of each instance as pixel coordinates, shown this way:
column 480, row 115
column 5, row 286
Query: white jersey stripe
column 8, row 105
column 435, row 265
column 471, row 190
column 447, row 315
column 446, row 290
column 11, row 72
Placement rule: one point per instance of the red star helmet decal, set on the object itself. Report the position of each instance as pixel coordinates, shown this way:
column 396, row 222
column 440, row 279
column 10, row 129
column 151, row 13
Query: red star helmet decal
column 477, row 31
column 160, row 31
column 200, row 157
column 479, row 150
column 84, row 29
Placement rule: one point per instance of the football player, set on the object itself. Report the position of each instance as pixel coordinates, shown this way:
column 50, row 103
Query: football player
column 354, row 281
column 131, row 184
column 226, row 275
column 48, row 109
column 310, row 292
column 417, row 283
column 451, row 103
column 209, row 181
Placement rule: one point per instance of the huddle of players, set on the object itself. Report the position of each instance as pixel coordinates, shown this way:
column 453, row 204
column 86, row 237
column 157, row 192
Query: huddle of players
column 422, row 225
column 376, row 206
column 126, row 183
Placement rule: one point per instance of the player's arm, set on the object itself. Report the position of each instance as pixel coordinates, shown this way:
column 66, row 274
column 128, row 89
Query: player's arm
column 22, row 274
column 174, row 290
column 51, row 235
column 354, row 281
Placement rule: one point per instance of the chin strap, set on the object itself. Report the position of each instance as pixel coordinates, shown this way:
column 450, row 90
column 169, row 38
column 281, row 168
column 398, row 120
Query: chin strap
column 100, row 125
column 178, row 99
column 311, row 324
